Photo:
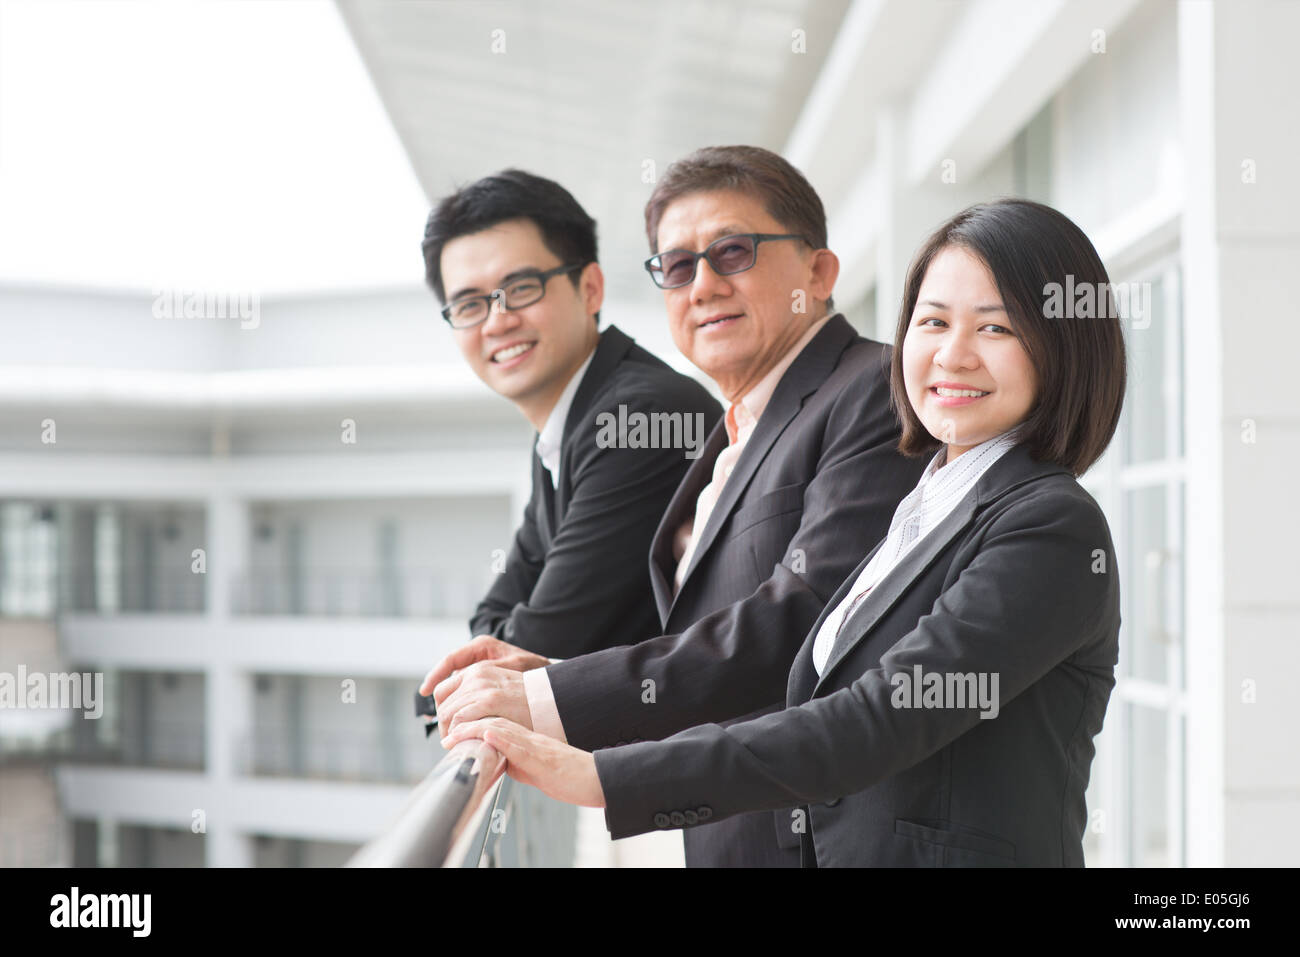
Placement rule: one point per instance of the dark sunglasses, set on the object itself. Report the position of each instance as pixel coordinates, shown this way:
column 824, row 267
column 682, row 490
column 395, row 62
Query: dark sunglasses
column 727, row 256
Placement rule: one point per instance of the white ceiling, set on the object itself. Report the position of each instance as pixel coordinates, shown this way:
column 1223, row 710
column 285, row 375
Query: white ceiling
column 586, row 92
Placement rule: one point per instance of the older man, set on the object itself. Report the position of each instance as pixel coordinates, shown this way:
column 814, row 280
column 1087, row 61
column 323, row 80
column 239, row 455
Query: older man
column 766, row 524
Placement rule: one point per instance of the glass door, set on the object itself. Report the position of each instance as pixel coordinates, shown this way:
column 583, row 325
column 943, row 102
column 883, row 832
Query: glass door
column 1137, row 794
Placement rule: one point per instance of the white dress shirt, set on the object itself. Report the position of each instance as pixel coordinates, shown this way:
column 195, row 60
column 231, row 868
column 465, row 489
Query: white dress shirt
column 552, row 434
column 937, row 493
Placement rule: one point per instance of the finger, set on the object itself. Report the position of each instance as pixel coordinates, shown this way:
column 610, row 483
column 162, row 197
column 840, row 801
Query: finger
column 436, row 674
column 474, row 680
column 462, row 657
column 509, row 740
column 445, row 687
column 498, row 768
column 521, row 662
column 472, row 709
column 448, row 710
column 465, row 731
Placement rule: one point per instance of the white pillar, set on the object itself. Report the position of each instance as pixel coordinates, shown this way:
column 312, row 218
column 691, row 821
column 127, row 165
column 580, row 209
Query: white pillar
column 228, row 722
column 226, row 553
column 228, row 716
column 1241, row 250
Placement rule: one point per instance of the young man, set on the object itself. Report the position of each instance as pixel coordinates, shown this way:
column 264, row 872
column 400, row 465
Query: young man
column 513, row 259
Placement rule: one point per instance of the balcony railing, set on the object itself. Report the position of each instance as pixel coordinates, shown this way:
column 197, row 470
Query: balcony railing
column 326, row 755
column 407, row 594
column 173, row 746
column 458, row 817
column 447, row 817
column 162, row 591
column 404, row 593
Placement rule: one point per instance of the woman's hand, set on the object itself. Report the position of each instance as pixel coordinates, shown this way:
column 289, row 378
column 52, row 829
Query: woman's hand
column 564, row 773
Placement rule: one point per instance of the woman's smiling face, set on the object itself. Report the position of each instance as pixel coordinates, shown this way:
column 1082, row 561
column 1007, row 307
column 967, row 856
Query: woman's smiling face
column 965, row 368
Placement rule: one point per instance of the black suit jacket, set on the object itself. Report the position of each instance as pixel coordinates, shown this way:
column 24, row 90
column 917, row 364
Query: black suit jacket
column 815, row 486
column 575, row 580
column 1019, row 580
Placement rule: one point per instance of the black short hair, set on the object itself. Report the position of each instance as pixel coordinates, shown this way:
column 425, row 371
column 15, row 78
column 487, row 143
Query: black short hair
column 566, row 228
column 1080, row 361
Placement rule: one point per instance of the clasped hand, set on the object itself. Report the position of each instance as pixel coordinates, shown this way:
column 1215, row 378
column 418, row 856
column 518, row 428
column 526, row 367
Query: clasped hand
column 479, row 691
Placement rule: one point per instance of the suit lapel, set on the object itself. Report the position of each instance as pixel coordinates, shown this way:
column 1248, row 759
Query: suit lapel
column 613, row 346
column 1015, row 468
column 886, row 592
column 663, row 566
column 805, row 375
column 803, row 676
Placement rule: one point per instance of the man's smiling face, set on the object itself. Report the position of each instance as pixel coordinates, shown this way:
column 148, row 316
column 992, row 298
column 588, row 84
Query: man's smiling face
column 527, row 355
column 734, row 328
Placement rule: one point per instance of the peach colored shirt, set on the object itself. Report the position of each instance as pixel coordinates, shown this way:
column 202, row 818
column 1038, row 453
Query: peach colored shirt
column 742, row 417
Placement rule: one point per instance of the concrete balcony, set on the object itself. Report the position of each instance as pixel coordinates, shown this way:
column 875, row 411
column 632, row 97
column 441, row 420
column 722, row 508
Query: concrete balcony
column 352, row 646
column 307, row 810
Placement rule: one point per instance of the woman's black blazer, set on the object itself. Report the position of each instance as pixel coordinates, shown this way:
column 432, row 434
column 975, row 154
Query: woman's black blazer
column 1019, row 582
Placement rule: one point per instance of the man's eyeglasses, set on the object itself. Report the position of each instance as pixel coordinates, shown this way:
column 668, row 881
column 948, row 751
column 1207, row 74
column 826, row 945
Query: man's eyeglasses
column 519, row 292
column 727, row 255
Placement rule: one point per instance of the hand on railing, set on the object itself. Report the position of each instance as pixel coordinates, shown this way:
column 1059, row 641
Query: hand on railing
column 481, row 679
column 433, row 826
column 565, row 773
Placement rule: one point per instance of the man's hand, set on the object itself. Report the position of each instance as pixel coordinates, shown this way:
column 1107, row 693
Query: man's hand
column 562, row 772
column 482, row 690
column 482, row 648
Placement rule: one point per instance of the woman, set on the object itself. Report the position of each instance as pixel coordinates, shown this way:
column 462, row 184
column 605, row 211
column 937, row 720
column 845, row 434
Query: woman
column 943, row 708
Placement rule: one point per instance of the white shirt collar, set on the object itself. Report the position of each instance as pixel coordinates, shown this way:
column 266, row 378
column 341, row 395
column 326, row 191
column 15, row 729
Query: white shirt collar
column 923, row 508
column 965, row 468
column 941, row 487
column 552, row 434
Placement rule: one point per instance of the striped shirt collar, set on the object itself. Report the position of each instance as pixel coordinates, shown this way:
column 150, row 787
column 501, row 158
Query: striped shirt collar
column 941, row 487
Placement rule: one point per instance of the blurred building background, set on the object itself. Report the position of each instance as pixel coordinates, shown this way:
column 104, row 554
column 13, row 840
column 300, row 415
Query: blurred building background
column 343, row 482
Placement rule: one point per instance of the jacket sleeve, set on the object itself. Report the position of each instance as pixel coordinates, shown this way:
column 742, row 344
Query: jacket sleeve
column 592, row 588
column 517, row 580
column 737, row 660
column 1028, row 601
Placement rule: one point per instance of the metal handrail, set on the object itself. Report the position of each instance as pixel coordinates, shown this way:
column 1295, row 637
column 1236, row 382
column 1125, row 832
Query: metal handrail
column 442, row 819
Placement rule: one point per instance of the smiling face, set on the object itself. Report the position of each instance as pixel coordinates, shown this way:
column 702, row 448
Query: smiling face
column 527, row 355
column 736, row 328
column 967, row 373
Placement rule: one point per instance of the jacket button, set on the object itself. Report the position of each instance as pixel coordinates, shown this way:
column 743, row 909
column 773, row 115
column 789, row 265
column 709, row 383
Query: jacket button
column 705, row 812
column 691, row 818
column 677, row 818
column 661, row 820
